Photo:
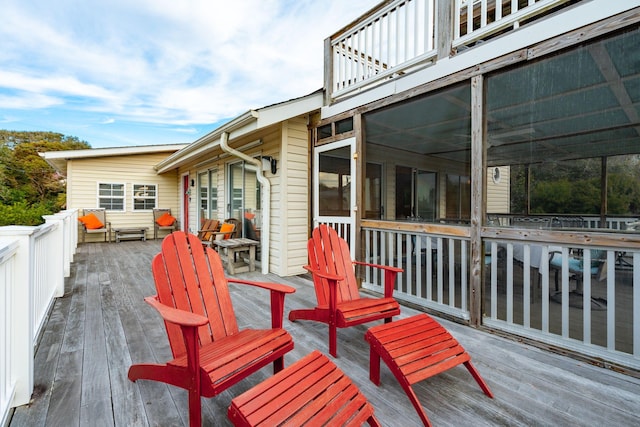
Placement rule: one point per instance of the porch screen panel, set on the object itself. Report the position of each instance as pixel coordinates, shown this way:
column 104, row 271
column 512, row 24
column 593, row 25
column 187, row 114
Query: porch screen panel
column 565, row 131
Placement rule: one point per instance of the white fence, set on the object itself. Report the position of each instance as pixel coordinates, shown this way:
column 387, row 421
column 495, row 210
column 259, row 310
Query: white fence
column 436, row 268
column 403, row 36
column 33, row 264
column 582, row 298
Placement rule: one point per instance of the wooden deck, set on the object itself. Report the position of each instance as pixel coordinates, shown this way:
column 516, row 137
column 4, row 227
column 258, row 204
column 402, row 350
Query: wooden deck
column 101, row 326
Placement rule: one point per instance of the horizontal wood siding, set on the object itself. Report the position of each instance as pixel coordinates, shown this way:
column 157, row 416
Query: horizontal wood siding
column 85, row 174
column 295, row 230
column 498, row 192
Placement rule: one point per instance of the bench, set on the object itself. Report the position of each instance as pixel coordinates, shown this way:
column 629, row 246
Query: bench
column 229, row 248
column 131, row 233
column 415, row 349
column 313, row 391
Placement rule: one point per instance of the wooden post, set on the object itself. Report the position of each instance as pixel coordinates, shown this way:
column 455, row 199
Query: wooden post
column 444, row 15
column 603, row 193
column 478, row 200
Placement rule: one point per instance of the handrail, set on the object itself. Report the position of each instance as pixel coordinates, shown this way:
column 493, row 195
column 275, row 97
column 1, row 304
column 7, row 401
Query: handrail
column 33, row 264
column 403, row 36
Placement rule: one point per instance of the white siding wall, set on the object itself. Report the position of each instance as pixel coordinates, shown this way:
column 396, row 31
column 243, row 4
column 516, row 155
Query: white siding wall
column 498, row 192
column 288, row 143
column 83, row 176
column 294, row 202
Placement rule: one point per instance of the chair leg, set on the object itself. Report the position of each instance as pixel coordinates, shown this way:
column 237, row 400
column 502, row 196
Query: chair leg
column 476, row 375
column 278, row 365
column 333, row 340
column 374, row 366
column 195, row 408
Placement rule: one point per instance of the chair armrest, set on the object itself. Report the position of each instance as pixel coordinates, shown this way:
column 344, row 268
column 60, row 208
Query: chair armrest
column 332, row 277
column 390, row 274
column 332, row 280
column 278, row 292
column 175, row 316
column 278, row 287
column 189, row 324
column 223, row 233
column 384, row 267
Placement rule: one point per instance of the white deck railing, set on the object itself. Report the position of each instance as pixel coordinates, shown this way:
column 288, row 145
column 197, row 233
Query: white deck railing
column 403, row 36
column 33, row 264
column 491, row 16
column 587, row 312
column 400, row 33
column 531, row 289
column 436, row 268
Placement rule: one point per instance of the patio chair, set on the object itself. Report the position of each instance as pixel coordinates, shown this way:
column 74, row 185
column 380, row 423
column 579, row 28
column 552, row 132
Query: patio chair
column 162, row 220
column 208, row 228
column 577, row 270
column 94, row 221
column 210, row 352
column 340, row 304
column 227, row 231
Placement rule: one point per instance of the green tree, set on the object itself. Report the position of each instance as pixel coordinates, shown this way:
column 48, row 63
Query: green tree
column 30, row 187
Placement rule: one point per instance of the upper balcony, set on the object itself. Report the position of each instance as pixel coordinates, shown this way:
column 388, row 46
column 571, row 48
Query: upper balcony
column 400, row 37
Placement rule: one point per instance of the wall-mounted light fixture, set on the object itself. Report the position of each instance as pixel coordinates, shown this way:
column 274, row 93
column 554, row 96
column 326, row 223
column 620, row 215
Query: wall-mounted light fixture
column 193, row 182
column 269, row 163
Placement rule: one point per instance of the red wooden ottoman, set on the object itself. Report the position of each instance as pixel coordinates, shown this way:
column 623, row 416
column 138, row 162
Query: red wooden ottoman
column 311, row 392
column 415, row 349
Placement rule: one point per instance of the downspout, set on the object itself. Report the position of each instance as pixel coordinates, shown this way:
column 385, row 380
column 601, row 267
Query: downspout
column 266, row 199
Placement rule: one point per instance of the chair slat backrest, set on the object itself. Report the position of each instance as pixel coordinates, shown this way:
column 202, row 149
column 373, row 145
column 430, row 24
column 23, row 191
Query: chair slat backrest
column 190, row 277
column 329, row 253
column 209, row 226
column 158, row 212
column 100, row 213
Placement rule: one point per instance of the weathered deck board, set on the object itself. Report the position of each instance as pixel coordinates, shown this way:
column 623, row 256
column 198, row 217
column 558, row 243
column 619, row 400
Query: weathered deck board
column 102, row 326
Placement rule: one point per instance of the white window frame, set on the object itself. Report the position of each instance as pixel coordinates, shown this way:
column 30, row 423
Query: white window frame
column 144, row 197
column 123, row 197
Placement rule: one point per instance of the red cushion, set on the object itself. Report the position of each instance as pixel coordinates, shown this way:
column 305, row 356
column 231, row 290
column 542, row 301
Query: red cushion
column 165, row 220
column 91, row 222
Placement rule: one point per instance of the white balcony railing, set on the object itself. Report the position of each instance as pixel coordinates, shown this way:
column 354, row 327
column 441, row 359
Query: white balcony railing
column 400, row 33
column 492, row 16
column 33, row 264
column 406, row 35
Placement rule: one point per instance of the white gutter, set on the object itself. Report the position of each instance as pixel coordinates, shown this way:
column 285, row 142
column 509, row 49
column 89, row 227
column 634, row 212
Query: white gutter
column 266, row 200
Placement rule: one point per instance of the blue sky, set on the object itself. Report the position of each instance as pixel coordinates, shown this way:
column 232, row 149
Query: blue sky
column 120, row 73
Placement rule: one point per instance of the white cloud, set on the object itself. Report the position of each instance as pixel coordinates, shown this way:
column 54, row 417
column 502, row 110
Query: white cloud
column 165, row 61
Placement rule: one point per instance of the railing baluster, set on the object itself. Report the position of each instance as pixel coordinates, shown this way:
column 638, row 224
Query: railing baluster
column 636, row 302
column 611, row 300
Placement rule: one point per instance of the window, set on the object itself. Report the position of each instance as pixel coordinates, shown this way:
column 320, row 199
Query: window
column 144, row 197
column 458, row 197
column 415, row 194
column 111, row 196
column 335, row 182
column 208, row 193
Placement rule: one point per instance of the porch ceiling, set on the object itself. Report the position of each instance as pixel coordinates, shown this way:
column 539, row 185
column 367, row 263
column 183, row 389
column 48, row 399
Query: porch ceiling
column 534, row 113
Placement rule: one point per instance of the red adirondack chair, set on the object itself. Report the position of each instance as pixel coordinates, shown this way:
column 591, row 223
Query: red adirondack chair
column 340, row 304
column 210, row 352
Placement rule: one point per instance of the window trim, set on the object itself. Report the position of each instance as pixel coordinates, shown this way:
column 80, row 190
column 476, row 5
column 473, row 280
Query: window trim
column 124, row 195
column 133, row 197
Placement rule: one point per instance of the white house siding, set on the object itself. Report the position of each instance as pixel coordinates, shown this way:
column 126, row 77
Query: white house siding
column 294, row 174
column 272, row 142
column 498, row 192
column 83, row 176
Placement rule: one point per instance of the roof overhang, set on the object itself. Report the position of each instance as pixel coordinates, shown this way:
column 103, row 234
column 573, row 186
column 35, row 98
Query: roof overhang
column 243, row 125
column 58, row 159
